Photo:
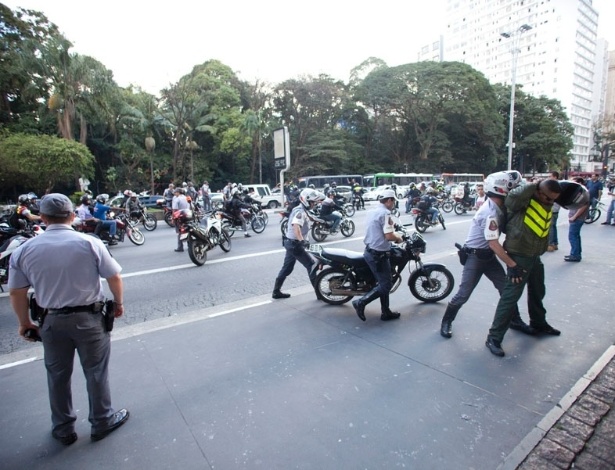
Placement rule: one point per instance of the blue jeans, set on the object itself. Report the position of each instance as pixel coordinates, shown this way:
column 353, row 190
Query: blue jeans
column 433, row 213
column 609, row 212
column 334, row 217
column 574, row 237
column 110, row 225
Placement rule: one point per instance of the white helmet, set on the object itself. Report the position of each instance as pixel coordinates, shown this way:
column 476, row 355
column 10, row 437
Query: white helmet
column 500, row 183
column 308, row 196
column 234, row 191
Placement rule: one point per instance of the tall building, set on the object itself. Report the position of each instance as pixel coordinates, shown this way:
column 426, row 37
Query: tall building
column 554, row 43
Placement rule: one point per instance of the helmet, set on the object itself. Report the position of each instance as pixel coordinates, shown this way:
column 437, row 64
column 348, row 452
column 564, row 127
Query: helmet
column 573, row 195
column 239, row 187
column 430, row 190
column 23, row 199
column 102, row 198
column 128, row 193
column 333, row 184
column 500, row 183
column 133, row 194
column 331, row 191
column 309, row 196
column 85, row 199
column 33, row 197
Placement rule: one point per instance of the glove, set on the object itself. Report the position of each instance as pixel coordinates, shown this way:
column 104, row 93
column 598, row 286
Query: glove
column 305, row 243
column 515, row 272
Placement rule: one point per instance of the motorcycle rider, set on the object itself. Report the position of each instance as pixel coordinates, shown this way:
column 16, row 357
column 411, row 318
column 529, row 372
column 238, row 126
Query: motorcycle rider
column 328, row 211
column 427, row 204
column 169, row 194
column 100, row 212
column 357, row 193
column 180, row 203
column 481, row 247
column 23, row 213
column 133, row 206
column 295, row 240
column 412, row 195
column 379, row 234
column 84, row 212
column 234, row 207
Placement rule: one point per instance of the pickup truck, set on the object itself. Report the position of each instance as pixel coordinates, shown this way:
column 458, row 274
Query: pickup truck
column 262, row 192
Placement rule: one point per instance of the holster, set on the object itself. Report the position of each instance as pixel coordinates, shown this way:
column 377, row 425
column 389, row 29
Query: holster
column 381, row 261
column 37, row 313
column 109, row 315
column 462, row 253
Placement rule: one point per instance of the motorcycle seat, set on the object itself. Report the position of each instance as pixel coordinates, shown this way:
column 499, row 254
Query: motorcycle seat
column 353, row 258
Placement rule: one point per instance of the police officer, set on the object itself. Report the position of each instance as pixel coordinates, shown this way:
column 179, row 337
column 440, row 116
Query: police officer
column 481, row 247
column 295, row 240
column 64, row 268
column 379, row 234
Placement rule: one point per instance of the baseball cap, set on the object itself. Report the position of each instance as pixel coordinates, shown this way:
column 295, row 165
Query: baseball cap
column 387, row 193
column 56, row 205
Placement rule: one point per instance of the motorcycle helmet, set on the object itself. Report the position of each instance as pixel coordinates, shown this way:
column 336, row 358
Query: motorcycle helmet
column 133, row 195
column 127, row 193
column 102, row 198
column 310, row 196
column 85, row 199
column 33, row 197
column 573, row 195
column 500, row 183
column 23, row 199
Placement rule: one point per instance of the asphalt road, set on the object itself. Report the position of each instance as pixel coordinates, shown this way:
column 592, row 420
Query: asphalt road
column 161, row 283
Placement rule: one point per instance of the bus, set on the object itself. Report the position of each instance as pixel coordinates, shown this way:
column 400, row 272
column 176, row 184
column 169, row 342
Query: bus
column 321, row 181
column 400, row 179
column 454, row 178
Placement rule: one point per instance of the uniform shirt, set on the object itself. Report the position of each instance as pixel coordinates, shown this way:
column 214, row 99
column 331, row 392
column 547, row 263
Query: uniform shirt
column 486, row 225
column 100, row 211
column 63, row 266
column 180, row 202
column 379, row 222
column 298, row 216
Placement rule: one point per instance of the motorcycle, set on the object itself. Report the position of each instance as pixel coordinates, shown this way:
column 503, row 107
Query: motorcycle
column 201, row 239
column 231, row 223
column 10, row 245
column 168, row 212
column 322, row 228
column 463, row 206
column 149, row 221
column 422, row 222
column 345, row 274
column 125, row 228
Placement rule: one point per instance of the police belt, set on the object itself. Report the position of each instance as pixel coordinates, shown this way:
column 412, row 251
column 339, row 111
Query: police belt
column 376, row 252
column 95, row 307
column 478, row 251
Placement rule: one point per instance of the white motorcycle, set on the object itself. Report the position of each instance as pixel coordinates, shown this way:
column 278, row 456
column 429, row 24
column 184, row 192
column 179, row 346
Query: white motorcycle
column 9, row 246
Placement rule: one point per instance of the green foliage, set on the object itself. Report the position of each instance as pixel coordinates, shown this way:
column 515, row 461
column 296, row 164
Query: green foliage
column 43, row 162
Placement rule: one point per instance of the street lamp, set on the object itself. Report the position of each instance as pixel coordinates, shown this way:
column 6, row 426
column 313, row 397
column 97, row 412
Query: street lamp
column 514, row 49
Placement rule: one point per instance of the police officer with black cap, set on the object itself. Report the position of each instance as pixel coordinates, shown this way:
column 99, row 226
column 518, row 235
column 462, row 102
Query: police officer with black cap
column 64, row 268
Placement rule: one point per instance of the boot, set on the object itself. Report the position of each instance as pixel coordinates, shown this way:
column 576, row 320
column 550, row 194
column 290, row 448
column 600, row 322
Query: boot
column 277, row 293
column 446, row 329
column 359, row 304
column 387, row 314
column 518, row 324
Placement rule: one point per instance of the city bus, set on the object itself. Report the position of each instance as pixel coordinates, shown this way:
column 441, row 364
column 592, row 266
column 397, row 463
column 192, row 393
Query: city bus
column 399, row 179
column 454, row 178
column 320, row 181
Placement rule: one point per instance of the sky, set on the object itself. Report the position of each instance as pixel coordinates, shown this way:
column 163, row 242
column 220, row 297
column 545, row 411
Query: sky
column 154, row 44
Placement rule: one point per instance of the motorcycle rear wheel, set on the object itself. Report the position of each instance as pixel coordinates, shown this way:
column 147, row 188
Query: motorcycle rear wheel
column 197, row 251
column 225, row 241
column 324, row 282
column 347, row 228
column 441, row 219
column 284, row 226
column 136, row 236
column 431, row 284
column 258, row 224
column 447, row 206
column 168, row 218
column 459, row 209
column 317, row 233
column 150, row 223
column 228, row 227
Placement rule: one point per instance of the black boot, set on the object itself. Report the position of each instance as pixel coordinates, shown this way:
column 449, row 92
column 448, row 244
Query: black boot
column 518, row 324
column 387, row 314
column 446, row 329
column 359, row 304
column 277, row 293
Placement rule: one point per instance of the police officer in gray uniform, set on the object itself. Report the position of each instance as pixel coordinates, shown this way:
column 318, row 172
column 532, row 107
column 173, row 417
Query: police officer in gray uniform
column 482, row 249
column 295, row 240
column 65, row 269
column 378, row 237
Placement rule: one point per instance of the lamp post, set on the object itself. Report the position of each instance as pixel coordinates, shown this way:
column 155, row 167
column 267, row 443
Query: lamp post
column 514, row 50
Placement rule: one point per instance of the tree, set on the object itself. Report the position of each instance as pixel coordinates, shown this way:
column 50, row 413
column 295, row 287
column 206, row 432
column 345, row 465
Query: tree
column 43, row 162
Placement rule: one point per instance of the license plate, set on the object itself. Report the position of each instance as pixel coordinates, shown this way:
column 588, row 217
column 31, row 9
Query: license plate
column 316, row 248
column 183, row 236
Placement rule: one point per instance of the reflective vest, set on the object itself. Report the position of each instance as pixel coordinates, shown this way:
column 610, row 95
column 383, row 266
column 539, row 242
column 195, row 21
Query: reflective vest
column 538, row 219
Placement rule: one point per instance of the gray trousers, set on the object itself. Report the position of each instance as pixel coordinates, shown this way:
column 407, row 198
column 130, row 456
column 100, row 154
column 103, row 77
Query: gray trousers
column 62, row 334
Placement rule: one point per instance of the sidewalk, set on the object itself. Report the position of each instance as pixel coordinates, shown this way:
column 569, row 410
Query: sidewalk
column 264, row 384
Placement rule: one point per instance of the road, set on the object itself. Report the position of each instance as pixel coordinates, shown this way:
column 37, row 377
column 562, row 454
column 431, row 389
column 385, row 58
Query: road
column 161, row 283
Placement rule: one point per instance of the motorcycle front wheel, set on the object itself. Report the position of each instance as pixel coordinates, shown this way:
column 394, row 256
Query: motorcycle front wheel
column 431, row 284
column 317, row 233
column 197, row 251
column 136, row 236
column 150, row 223
column 349, row 209
column 447, row 206
column 332, row 278
column 258, row 224
column 420, row 223
column 228, row 228
column 347, row 228
column 441, row 219
column 225, row 241
column 168, row 218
